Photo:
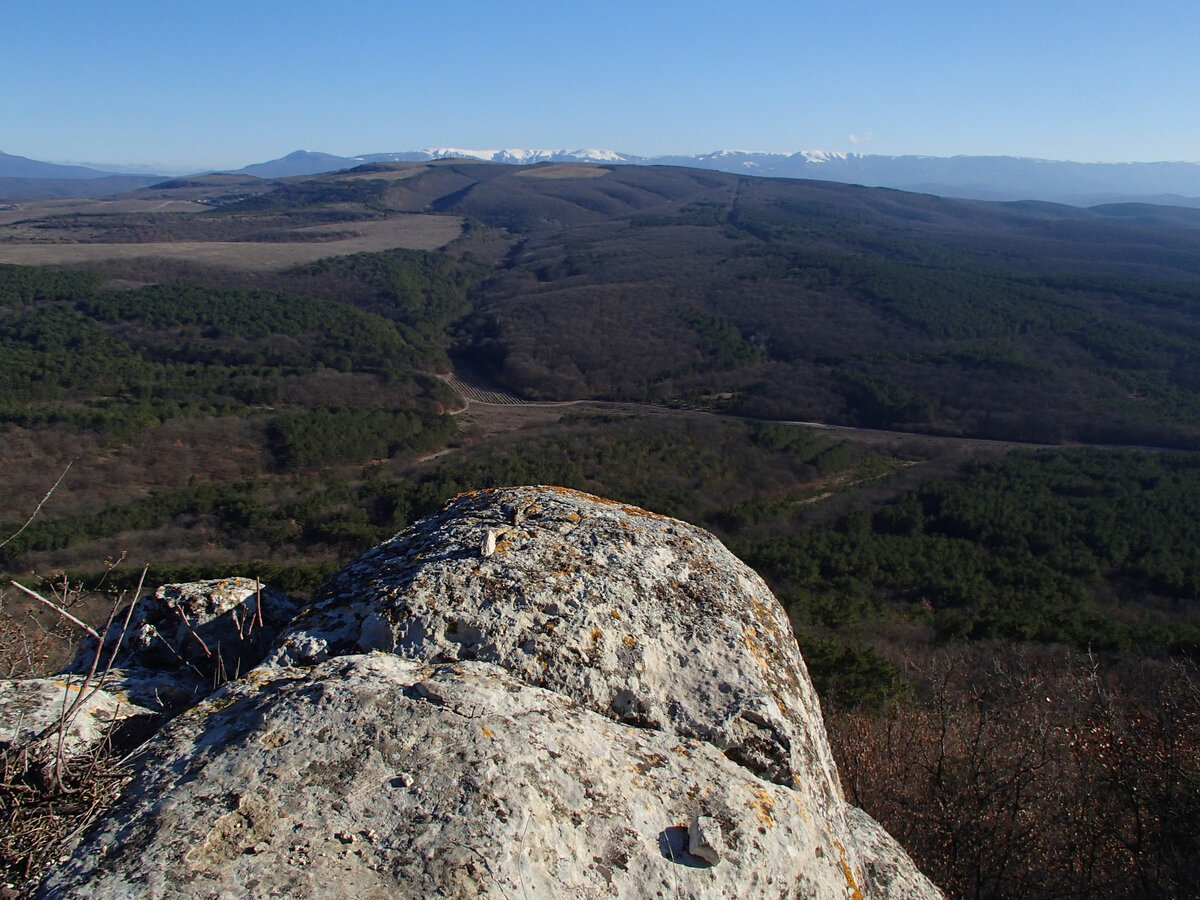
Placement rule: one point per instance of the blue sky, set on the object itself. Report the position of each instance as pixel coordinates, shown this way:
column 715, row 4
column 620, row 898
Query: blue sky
column 181, row 85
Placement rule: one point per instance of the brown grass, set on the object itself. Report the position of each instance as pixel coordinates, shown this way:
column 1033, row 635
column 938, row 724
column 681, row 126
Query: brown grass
column 41, row 209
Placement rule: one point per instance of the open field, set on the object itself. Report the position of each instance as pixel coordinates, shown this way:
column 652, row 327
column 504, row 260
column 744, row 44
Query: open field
column 559, row 170
column 44, row 209
column 410, row 232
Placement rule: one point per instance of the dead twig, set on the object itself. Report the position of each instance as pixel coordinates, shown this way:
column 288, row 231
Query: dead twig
column 58, row 609
column 192, row 631
column 128, row 617
column 179, row 658
column 69, row 715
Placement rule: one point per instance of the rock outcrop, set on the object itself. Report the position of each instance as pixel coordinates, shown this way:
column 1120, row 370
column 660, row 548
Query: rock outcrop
column 633, row 615
column 46, row 716
column 185, row 639
column 178, row 643
column 534, row 693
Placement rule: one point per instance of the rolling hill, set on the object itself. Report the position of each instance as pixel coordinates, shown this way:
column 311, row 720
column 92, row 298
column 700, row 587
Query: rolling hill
column 775, row 298
column 971, row 177
column 229, row 374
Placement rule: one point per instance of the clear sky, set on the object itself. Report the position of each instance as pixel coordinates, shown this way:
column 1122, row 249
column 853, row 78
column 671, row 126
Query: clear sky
column 181, row 85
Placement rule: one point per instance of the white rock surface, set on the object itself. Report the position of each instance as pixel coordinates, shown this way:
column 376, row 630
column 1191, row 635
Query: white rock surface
column 634, row 615
column 569, row 716
column 891, row 874
column 31, row 710
column 373, row 775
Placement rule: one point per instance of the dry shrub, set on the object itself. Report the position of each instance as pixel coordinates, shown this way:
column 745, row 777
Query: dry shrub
column 46, row 795
column 30, row 648
column 39, row 813
column 1036, row 774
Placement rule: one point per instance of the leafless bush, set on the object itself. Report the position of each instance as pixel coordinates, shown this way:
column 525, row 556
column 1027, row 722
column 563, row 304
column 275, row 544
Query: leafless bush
column 45, row 794
column 29, row 647
column 1036, row 774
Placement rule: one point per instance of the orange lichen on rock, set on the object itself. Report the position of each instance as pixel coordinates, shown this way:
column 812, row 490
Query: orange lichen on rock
column 764, row 805
column 851, row 882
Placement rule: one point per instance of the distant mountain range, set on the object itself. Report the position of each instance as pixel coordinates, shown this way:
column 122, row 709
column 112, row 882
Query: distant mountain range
column 969, row 177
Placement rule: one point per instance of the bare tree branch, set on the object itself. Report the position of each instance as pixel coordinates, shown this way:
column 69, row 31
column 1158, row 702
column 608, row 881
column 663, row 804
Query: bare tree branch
column 54, row 606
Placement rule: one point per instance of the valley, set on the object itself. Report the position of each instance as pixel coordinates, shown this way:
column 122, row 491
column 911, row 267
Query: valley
column 924, row 421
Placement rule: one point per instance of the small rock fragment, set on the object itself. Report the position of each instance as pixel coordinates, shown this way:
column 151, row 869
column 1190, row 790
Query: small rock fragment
column 488, row 547
column 705, row 839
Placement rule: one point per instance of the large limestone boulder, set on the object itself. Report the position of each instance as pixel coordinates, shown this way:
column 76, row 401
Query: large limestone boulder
column 636, row 616
column 378, row 776
column 534, row 693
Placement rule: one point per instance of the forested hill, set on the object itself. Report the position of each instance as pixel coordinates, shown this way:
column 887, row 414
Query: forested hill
column 815, row 301
column 773, row 298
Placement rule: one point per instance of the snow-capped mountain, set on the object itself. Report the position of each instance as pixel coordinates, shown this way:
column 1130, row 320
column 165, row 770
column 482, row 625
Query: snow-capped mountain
column 512, row 156
column 722, row 159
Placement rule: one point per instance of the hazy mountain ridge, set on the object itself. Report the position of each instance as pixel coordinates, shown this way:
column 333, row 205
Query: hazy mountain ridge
column 22, row 167
column 17, row 189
